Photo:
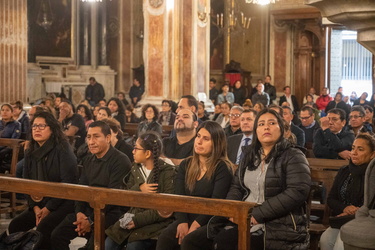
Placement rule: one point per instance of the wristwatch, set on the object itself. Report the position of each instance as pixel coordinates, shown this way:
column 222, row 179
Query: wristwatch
column 90, row 221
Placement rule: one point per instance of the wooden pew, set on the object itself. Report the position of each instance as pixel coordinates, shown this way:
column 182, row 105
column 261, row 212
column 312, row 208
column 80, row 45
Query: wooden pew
column 14, row 144
column 322, row 171
column 99, row 197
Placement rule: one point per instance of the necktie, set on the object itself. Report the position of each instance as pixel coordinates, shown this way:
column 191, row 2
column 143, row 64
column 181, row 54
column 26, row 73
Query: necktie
column 246, row 144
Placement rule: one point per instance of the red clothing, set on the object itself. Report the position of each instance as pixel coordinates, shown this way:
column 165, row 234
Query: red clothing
column 323, row 101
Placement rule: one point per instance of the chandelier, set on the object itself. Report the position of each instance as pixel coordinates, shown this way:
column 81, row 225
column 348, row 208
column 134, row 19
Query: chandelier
column 261, row 2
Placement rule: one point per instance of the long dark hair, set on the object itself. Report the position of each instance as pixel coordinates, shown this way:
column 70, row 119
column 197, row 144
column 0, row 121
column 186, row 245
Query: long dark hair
column 219, row 153
column 252, row 154
column 154, row 108
column 120, row 104
column 151, row 140
column 87, row 111
column 57, row 134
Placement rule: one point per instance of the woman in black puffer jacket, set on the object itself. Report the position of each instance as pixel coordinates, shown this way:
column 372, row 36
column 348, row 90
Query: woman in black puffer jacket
column 276, row 176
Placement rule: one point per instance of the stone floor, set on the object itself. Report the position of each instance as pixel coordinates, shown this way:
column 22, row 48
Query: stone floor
column 74, row 245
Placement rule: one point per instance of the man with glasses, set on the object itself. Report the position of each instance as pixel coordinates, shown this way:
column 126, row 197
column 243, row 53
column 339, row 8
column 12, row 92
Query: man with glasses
column 236, row 142
column 333, row 140
column 357, row 119
column 234, row 121
column 308, row 125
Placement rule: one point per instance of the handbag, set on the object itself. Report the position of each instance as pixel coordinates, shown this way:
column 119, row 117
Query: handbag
column 29, row 240
column 337, row 222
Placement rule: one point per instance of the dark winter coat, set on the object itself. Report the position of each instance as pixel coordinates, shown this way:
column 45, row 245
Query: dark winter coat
column 287, row 187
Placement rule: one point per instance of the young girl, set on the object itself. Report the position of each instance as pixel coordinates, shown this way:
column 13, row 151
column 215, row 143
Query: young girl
column 150, row 175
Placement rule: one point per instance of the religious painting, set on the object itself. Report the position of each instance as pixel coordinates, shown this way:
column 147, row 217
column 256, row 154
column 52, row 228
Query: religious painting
column 51, row 27
column 217, row 35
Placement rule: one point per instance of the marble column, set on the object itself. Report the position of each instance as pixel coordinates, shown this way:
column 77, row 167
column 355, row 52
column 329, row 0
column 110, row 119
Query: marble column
column 176, row 48
column 85, row 34
column 103, row 34
column 13, row 50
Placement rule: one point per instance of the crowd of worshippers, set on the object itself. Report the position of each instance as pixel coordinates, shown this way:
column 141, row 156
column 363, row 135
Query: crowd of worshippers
column 239, row 152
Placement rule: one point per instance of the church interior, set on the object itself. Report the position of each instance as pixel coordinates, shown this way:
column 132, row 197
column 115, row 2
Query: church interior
column 174, row 47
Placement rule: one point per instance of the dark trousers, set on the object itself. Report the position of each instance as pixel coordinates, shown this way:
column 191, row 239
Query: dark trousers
column 227, row 239
column 195, row 240
column 65, row 231
column 26, row 221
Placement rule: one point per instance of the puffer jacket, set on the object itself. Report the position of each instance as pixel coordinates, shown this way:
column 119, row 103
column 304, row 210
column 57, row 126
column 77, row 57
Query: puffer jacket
column 148, row 223
column 287, row 187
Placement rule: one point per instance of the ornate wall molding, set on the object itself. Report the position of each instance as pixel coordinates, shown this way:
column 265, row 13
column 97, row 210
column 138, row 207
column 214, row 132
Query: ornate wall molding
column 155, row 7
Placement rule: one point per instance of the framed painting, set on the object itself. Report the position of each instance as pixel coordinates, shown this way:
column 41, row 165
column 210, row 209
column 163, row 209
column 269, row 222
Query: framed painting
column 52, row 31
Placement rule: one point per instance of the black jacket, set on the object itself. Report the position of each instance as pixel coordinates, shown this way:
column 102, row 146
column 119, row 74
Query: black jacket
column 94, row 92
column 294, row 101
column 270, row 90
column 60, row 165
column 328, row 145
column 287, row 187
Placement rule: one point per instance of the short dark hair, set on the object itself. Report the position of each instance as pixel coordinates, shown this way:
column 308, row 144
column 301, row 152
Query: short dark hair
column 369, row 108
column 69, row 103
column 360, row 109
column 255, row 113
column 18, row 104
column 192, row 101
column 308, row 109
column 339, row 112
column 114, row 126
column 92, row 79
column 272, row 105
column 286, row 87
column 106, row 130
column 213, row 80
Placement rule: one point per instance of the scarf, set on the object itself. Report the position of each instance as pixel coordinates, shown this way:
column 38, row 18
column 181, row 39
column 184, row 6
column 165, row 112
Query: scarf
column 38, row 159
column 355, row 188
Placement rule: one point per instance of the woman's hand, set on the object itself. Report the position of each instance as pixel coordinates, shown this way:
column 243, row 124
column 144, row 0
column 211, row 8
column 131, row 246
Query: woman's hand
column 182, row 231
column 130, row 225
column 253, row 221
column 42, row 214
column 350, row 209
column 149, row 188
column 193, row 227
column 37, row 215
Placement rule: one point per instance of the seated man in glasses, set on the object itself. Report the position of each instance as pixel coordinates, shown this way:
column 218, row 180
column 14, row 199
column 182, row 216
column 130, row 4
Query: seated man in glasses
column 333, row 140
column 357, row 119
column 234, row 127
column 308, row 125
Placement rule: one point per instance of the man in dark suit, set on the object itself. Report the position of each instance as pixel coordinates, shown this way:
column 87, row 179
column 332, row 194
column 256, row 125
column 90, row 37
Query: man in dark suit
column 236, row 142
column 289, row 98
column 288, row 117
column 308, row 125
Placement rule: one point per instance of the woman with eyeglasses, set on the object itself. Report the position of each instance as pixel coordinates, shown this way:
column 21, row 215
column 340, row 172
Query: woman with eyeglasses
column 48, row 158
column 207, row 174
column 149, row 174
column 166, row 116
column 149, row 121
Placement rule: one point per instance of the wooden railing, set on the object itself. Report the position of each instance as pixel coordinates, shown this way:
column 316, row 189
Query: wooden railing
column 99, row 197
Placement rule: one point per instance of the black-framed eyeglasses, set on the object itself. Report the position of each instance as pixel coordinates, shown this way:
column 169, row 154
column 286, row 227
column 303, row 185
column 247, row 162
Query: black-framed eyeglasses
column 354, row 117
column 304, row 118
column 40, row 126
column 135, row 148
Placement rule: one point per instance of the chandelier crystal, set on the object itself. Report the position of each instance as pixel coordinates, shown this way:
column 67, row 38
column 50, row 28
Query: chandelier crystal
column 261, row 2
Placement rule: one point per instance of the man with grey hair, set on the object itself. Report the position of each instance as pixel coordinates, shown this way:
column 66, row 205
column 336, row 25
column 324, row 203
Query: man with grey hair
column 234, row 127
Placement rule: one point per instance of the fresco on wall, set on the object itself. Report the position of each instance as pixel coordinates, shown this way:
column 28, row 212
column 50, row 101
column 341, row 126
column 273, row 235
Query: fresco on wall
column 49, row 28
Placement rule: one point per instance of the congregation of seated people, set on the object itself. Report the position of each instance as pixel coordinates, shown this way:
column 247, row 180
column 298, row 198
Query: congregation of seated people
column 237, row 152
